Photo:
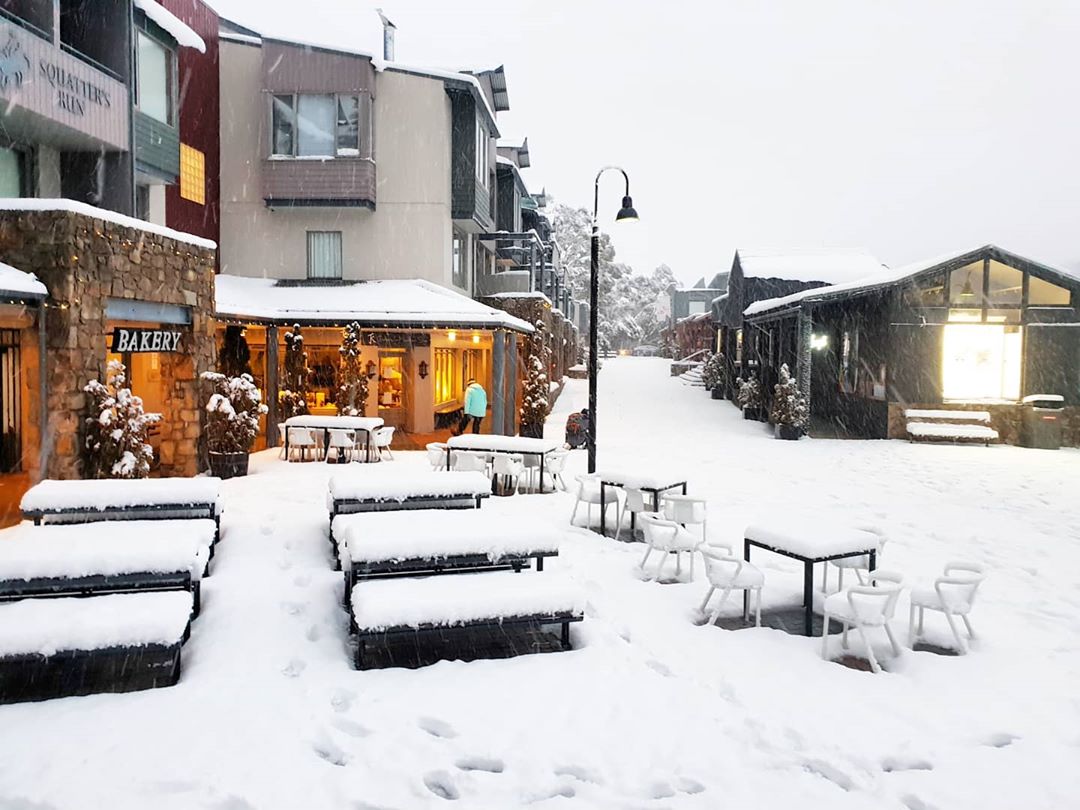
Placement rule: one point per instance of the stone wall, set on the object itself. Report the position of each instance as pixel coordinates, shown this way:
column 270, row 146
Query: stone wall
column 1004, row 418
column 84, row 261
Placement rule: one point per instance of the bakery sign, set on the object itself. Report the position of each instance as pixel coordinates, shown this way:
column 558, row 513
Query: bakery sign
column 125, row 340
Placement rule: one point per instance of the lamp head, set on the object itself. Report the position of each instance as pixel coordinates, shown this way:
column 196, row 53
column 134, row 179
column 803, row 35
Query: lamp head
column 627, row 212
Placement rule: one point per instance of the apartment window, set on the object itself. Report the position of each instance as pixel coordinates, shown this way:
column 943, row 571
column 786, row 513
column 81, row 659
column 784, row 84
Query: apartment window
column 324, row 254
column 154, row 88
column 483, row 142
column 12, row 173
column 192, row 174
column 445, row 388
column 308, row 125
column 458, row 260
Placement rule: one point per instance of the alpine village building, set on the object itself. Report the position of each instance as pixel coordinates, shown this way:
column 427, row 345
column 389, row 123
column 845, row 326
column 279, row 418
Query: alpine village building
column 140, row 135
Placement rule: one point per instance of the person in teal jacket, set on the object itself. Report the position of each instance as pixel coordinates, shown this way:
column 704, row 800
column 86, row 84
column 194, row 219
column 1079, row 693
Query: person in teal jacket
column 475, row 407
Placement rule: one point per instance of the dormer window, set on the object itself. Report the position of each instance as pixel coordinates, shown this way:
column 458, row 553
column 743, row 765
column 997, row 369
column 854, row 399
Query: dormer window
column 315, row 125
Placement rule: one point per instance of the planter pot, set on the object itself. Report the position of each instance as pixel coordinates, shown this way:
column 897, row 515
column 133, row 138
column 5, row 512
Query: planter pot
column 532, row 431
column 718, row 392
column 757, row 414
column 228, row 465
column 788, row 432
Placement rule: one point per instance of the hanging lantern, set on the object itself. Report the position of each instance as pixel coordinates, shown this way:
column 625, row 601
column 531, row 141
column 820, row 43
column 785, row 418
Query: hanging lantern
column 371, row 369
column 423, row 368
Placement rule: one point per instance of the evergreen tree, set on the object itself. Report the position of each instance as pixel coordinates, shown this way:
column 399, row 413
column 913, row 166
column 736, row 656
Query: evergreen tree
column 353, row 391
column 295, row 383
column 749, row 393
column 116, row 428
column 235, row 358
column 233, row 408
column 534, row 400
column 713, row 371
column 789, row 405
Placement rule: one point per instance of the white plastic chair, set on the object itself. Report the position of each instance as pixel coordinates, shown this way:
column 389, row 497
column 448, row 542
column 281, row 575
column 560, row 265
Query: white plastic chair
column 728, row 573
column 281, row 438
column 686, row 510
column 588, row 493
column 468, row 462
column 864, row 607
column 381, row 438
column 952, row 595
column 344, row 442
column 301, row 440
column 667, row 537
column 509, row 468
column 860, row 565
column 554, row 465
column 634, row 503
column 436, row 455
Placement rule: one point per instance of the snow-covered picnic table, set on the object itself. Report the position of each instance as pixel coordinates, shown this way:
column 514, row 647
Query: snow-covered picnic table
column 654, row 483
column 140, row 499
column 367, row 424
column 810, row 541
column 512, row 445
column 97, row 558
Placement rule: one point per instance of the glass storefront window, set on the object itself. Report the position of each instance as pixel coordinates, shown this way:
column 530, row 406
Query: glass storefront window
column 927, row 292
column 155, row 79
column 391, row 379
column 1006, row 285
column 965, row 315
column 966, row 285
column 1044, row 294
column 981, row 362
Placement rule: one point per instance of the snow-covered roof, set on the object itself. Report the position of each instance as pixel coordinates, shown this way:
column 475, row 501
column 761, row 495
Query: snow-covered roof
column 75, row 207
column 19, row 284
column 831, row 267
column 394, row 302
column 177, row 28
column 885, row 278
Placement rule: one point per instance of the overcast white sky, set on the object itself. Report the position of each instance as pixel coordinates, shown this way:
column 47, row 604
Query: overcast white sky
column 906, row 128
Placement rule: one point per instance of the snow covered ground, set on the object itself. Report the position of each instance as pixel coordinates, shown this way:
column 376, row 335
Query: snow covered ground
column 651, row 709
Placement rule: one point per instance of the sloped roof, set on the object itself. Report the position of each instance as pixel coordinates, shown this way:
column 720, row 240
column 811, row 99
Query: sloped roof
column 830, row 267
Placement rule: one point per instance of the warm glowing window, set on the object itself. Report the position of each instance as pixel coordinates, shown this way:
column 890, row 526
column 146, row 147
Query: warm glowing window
column 1044, row 294
column 445, row 365
column 982, row 361
column 192, row 174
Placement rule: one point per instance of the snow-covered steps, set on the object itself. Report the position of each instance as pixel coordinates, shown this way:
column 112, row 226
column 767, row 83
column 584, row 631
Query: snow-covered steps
column 64, row 647
column 693, row 376
column 949, row 426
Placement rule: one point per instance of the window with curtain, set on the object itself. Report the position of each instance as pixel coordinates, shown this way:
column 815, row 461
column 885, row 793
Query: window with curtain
column 306, row 125
column 316, row 120
column 324, row 254
column 348, row 126
column 283, row 125
column 155, row 79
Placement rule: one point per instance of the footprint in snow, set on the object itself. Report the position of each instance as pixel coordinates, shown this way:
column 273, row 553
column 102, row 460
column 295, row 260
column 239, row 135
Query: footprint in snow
column 1001, row 740
column 660, row 790
column 232, row 803
column 294, row 608
column 685, row 784
column 341, row 700
column 266, row 530
column 913, row 802
column 313, row 633
column 294, row 668
column 564, row 791
column 658, row 667
column 487, row 764
column 350, row 727
column 580, row 773
column 827, row 771
column 437, row 728
column 328, row 750
column 302, row 580
column 440, row 783
column 893, row 764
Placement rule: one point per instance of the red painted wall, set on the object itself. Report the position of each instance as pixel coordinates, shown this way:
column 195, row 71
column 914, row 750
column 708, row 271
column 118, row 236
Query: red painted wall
column 200, row 121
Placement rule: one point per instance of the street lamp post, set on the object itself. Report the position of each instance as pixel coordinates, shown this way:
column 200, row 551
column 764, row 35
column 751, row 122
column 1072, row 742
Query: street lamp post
column 626, row 213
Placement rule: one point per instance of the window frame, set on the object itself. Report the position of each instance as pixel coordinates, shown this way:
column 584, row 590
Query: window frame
column 335, row 135
column 340, row 255
column 482, row 151
column 458, row 259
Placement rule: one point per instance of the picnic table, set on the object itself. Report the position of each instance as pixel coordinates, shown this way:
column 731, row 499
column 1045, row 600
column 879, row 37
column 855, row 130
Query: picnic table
column 327, row 423
column 655, row 485
column 77, row 501
column 510, row 445
column 810, row 543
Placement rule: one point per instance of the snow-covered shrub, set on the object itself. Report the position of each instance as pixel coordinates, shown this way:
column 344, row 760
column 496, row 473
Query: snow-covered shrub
column 749, row 393
column 789, row 405
column 232, row 412
column 293, row 395
column 116, row 428
column 353, row 391
column 535, row 392
column 713, row 371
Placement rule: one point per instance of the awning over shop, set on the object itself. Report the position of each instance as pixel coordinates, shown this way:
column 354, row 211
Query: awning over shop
column 388, row 304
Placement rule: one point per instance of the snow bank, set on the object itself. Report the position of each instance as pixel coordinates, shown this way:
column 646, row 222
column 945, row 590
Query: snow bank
column 431, row 533
column 810, row 538
column 51, row 495
column 47, row 626
column 107, row 548
column 74, row 207
column 452, row 600
column 396, row 485
column 16, row 281
column 503, row 444
column 176, row 27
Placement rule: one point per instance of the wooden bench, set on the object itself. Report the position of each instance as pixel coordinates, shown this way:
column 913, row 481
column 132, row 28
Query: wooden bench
column 64, row 647
column 949, row 426
column 448, row 415
column 94, row 559
column 383, row 610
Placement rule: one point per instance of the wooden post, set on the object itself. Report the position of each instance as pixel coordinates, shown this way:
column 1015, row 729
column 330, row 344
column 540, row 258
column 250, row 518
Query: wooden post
column 803, row 335
column 510, row 426
column 43, row 393
column 498, row 383
column 272, row 437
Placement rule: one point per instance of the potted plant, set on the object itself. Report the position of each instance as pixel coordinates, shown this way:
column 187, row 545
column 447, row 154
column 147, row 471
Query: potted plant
column 750, row 398
column 117, row 428
column 789, row 411
column 232, row 422
column 712, row 375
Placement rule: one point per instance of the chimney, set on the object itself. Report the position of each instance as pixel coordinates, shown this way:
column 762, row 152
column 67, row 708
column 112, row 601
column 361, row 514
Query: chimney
column 388, row 29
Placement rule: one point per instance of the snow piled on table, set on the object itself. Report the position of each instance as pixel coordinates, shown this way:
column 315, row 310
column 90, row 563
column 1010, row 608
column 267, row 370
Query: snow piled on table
column 47, row 626
column 929, row 430
column 364, row 482
column 116, row 494
column 650, row 709
column 811, row 538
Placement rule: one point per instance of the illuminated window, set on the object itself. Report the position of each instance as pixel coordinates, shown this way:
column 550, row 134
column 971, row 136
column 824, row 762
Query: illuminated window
column 981, row 362
column 192, row 174
column 1044, row 294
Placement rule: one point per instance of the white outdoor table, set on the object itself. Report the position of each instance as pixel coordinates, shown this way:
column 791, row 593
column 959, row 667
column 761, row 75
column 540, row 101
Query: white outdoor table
column 511, row 445
column 328, row 423
column 656, row 485
column 810, row 543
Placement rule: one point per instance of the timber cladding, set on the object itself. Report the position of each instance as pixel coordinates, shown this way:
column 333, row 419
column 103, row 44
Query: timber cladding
column 84, row 262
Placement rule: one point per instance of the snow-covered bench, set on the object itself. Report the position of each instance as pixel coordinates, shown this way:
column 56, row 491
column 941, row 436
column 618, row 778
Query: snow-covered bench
column 384, row 609
column 97, row 558
column 142, row 499
column 949, row 426
column 369, row 490
column 389, row 544
column 117, row 643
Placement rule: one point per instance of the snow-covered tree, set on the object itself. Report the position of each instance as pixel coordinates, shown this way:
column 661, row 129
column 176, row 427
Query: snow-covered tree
column 232, row 412
column 294, row 386
column 353, row 391
column 535, row 392
column 116, row 428
column 789, row 405
column 713, row 371
column 749, row 393
column 235, row 357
